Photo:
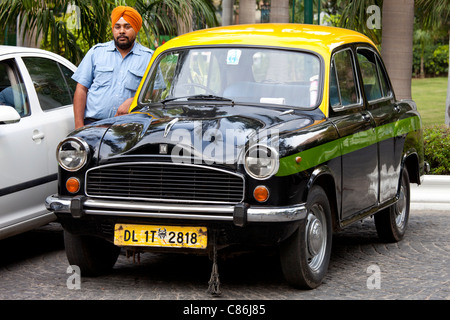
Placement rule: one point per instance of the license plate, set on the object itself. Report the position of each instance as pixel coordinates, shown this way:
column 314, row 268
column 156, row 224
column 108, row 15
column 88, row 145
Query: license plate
column 160, row 236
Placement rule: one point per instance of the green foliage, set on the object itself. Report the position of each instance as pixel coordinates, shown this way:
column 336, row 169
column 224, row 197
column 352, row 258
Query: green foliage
column 435, row 60
column 437, row 149
column 50, row 18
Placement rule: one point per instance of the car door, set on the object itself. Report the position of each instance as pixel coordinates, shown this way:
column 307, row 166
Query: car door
column 382, row 107
column 54, row 90
column 359, row 182
column 23, row 157
column 27, row 158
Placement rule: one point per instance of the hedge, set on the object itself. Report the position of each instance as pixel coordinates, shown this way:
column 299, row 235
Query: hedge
column 437, row 148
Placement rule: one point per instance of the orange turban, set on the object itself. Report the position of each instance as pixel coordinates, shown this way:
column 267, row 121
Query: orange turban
column 129, row 14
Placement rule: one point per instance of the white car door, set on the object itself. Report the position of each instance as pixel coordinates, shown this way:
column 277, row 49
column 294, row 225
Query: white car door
column 27, row 156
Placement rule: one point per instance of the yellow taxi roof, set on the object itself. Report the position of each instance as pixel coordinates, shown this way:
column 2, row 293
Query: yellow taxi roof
column 321, row 39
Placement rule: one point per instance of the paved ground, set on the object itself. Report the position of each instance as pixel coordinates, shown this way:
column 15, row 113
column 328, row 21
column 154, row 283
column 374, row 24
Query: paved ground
column 34, row 266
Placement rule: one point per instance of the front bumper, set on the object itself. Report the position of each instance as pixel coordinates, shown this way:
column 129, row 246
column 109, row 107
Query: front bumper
column 239, row 214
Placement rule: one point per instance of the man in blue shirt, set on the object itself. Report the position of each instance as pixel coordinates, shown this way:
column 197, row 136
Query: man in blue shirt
column 110, row 73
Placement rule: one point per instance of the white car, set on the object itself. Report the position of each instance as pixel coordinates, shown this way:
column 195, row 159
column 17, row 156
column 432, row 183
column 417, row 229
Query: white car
column 36, row 94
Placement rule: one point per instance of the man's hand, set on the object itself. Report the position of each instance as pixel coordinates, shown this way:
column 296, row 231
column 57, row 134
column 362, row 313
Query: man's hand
column 123, row 108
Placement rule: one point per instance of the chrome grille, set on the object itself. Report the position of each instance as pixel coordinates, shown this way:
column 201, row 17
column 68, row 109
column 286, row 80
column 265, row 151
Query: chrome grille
column 166, row 182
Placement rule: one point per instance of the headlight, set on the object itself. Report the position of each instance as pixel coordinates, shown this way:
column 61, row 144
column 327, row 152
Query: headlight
column 261, row 162
column 72, row 153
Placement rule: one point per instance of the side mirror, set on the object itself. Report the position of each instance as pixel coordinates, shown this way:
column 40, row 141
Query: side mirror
column 8, row 115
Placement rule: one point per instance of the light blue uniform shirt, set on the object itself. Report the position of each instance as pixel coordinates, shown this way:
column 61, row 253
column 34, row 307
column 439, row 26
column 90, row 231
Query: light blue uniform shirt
column 110, row 78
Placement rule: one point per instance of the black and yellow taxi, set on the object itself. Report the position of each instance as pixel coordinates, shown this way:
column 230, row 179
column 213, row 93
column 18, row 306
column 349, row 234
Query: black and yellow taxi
column 241, row 136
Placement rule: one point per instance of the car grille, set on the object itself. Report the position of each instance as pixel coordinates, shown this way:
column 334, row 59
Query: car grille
column 165, row 182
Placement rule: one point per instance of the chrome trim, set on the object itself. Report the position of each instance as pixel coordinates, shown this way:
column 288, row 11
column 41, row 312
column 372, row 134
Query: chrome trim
column 277, row 214
column 164, row 163
column 276, row 158
column 83, row 143
column 256, row 214
column 169, row 126
column 177, row 216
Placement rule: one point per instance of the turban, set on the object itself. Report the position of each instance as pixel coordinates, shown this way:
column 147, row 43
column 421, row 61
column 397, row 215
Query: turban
column 129, row 14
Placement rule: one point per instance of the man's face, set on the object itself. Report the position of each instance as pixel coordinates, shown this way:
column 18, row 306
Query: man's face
column 124, row 34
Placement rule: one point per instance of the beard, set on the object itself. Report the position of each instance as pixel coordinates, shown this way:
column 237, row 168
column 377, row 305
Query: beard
column 124, row 45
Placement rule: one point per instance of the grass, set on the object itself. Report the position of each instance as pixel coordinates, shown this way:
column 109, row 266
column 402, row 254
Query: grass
column 429, row 95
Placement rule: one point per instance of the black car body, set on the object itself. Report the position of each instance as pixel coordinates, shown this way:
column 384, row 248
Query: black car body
column 215, row 153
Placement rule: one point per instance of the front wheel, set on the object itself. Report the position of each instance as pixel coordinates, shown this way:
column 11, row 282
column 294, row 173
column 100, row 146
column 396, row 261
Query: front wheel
column 391, row 222
column 306, row 254
column 94, row 256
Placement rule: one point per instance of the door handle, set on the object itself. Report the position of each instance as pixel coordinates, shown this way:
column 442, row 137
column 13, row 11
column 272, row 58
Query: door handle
column 366, row 117
column 38, row 135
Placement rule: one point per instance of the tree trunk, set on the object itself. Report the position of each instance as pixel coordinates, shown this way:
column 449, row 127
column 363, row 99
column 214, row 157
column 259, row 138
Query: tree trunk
column 397, row 43
column 279, row 11
column 247, row 11
column 227, row 12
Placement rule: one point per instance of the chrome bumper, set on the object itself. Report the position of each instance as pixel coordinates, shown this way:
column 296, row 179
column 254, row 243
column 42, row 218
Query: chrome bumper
column 238, row 214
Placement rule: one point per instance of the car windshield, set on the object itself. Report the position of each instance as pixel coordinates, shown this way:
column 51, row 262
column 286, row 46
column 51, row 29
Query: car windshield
column 238, row 75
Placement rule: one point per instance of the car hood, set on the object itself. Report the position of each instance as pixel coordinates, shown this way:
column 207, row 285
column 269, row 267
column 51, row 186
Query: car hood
column 214, row 134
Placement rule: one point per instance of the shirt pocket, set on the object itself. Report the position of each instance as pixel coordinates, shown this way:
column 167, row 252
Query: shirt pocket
column 132, row 79
column 103, row 76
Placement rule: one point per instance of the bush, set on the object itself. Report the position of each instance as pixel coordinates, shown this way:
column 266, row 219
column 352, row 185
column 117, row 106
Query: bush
column 437, row 148
column 435, row 60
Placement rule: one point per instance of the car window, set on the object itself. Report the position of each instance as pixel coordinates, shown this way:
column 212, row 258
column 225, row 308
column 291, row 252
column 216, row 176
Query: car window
column 343, row 86
column 387, row 92
column 244, row 75
column 373, row 76
column 12, row 89
column 52, row 82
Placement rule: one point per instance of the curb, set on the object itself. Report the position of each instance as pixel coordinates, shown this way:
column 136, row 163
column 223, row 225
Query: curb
column 432, row 194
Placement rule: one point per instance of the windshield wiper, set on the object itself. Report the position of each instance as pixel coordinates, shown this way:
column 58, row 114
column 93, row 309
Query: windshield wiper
column 199, row 97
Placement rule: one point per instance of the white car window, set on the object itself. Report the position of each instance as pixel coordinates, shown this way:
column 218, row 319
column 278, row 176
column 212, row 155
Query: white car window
column 52, row 82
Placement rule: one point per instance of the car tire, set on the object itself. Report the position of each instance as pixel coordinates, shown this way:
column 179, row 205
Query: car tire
column 306, row 254
column 93, row 255
column 391, row 222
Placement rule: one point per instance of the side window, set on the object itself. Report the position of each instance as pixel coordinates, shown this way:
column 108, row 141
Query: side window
column 343, row 85
column 52, row 82
column 162, row 79
column 387, row 92
column 12, row 89
column 374, row 78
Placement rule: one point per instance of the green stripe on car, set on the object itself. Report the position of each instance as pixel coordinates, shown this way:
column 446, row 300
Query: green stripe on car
column 330, row 150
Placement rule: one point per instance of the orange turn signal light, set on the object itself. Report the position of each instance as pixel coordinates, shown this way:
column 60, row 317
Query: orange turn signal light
column 73, row 185
column 261, row 193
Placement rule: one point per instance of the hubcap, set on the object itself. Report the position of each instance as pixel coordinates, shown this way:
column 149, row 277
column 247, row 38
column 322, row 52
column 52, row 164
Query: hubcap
column 400, row 212
column 316, row 237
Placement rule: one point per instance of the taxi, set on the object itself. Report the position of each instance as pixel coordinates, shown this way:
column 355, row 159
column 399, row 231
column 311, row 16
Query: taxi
column 244, row 136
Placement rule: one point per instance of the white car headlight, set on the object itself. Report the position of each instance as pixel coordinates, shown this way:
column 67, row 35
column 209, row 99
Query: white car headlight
column 72, row 153
column 261, row 162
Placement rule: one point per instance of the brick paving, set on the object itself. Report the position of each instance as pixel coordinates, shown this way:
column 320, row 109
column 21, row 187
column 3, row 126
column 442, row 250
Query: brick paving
column 34, row 266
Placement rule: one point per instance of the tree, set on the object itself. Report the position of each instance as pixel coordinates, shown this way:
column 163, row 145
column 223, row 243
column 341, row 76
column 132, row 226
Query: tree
column 247, row 9
column 47, row 18
column 397, row 44
column 279, row 11
column 396, row 36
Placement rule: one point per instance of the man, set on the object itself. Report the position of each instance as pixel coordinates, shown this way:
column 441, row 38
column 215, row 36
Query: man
column 110, row 73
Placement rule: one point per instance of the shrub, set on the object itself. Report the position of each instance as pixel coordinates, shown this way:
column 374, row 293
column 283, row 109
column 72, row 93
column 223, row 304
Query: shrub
column 437, row 148
column 435, row 60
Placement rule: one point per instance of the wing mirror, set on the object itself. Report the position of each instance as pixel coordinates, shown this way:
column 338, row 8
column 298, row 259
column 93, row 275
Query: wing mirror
column 8, row 115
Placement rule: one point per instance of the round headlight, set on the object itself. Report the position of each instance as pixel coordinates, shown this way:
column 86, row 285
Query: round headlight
column 261, row 162
column 72, row 153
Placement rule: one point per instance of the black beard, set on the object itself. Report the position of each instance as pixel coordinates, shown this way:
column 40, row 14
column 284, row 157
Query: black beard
column 123, row 45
